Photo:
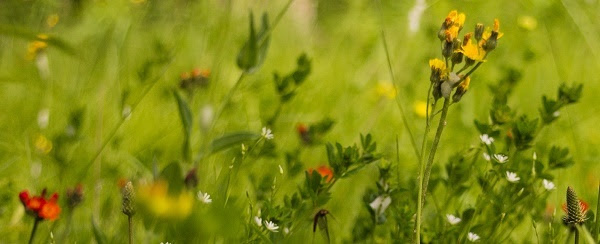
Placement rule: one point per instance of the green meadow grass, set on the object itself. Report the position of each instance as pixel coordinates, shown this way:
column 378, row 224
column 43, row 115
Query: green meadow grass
column 108, row 48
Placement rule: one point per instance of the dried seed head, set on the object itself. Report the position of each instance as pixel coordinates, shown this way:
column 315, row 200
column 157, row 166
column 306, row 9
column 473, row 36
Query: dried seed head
column 128, row 199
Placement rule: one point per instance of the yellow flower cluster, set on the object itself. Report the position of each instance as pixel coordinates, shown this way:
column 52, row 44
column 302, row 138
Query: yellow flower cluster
column 474, row 48
column 155, row 198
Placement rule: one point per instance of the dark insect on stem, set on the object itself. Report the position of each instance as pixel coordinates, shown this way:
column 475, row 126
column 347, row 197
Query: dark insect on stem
column 320, row 220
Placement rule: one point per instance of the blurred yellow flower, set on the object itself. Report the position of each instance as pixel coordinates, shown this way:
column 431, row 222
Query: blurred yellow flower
column 37, row 46
column 386, row 89
column 487, row 33
column 527, row 22
column 42, row 144
column 420, row 108
column 156, row 199
column 52, row 20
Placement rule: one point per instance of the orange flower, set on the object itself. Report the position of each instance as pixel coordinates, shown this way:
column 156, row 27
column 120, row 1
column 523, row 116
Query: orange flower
column 324, row 171
column 39, row 206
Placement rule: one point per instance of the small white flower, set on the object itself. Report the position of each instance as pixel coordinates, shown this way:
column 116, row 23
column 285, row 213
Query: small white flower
column 473, row 237
column 556, row 114
column 204, row 197
column 258, row 221
column 501, row 158
column 487, row 157
column 286, row 230
column 271, row 226
column 267, row 133
column 512, row 177
column 381, row 203
column 486, row 139
column 453, row 219
column 549, row 185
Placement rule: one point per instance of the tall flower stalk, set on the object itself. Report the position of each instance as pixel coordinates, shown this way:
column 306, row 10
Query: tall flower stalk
column 451, row 86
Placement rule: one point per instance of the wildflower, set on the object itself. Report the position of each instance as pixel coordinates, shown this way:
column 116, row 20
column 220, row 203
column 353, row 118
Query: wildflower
column 471, row 50
column 486, row 139
column 286, row 230
column 36, row 47
column 473, row 237
column 556, row 114
column 204, row 197
column 271, row 226
column 191, row 179
column 490, row 38
column 267, row 133
column 386, row 89
column 156, row 199
column 462, row 89
column 487, row 157
column 478, row 31
column 575, row 209
column 42, row 144
column 421, row 109
column 438, row 70
column 501, row 158
column 258, row 221
column 380, row 204
column 324, row 171
column 453, row 219
column 40, row 207
column 512, row 177
column 549, row 185
column 74, row 196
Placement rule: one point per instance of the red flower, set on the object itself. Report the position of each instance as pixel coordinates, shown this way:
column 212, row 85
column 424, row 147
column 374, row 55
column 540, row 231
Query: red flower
column 324, row 171
column 39, row 206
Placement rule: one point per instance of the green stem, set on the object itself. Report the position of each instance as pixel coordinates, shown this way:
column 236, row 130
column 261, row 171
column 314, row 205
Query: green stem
column 434, row 146
column 130, row 229
column 421, row 168
column 35, row 225
column 576, row 236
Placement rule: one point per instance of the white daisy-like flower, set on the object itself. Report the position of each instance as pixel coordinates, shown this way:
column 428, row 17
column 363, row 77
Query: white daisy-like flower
column 271, row 226
column 486, row 139
column 512, row 177
column 381, row 203
column 453, row 219
column 267, row 133
column 501, row 158
column 204, row 197
column 487, row 157
column 549, row 185
column 473, row 237
column 258, row 221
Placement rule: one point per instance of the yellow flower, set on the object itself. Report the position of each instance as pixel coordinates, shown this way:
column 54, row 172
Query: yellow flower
column 42, row 144
column 386, row 89
column 37, row 46
column 472, row 51
column 420, row 109
column 490, row 37
column 437, row 64
column 52, row 20
column 460, row 20
column 156, row 199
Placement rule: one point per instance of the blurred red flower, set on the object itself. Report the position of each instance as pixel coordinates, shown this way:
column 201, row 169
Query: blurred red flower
column 324, row 171
column 39, row 206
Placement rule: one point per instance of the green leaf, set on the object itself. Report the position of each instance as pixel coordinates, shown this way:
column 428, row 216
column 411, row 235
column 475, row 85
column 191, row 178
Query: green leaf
column 232, row 139
column 100, row 237
column 569, row 94
column 559, row 158
column 186, row 119
column 247, row 57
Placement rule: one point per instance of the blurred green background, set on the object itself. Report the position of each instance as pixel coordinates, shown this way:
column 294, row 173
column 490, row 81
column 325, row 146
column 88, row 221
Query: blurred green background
column 105, row 55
